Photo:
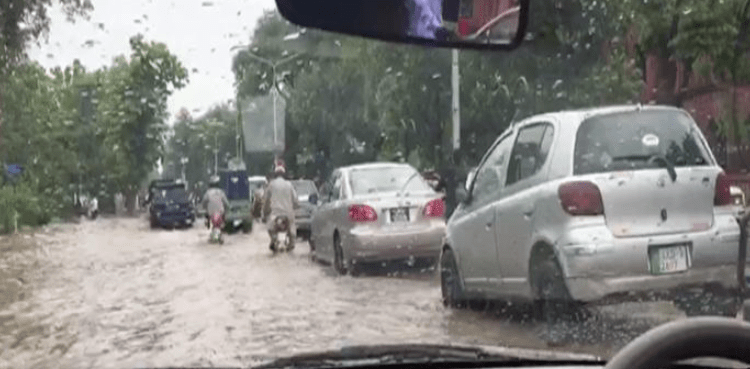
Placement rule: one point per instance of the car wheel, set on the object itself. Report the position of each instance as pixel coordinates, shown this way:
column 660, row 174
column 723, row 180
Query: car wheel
column 154, row 223
column 338, row 256
column 311, row 242
column 450, row 283
column 247, row 226
column 554, row 302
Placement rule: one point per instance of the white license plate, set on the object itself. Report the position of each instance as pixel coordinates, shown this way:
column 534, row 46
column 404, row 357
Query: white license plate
column 670, row 259
column 400, row 215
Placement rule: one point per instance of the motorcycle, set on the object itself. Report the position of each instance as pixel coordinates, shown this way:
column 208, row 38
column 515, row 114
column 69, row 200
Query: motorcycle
column 215, row 225
column 281, row 241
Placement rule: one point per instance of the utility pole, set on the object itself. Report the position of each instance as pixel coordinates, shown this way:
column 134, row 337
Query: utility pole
column 216, row 156
column 456, row 83
column 274, row 89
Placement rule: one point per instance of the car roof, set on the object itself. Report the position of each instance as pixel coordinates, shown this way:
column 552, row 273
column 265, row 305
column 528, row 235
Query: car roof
column 376, row 165
column 581, row 114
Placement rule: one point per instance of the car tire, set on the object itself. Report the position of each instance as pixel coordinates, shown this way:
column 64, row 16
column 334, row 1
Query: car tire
column 247, row 226
column 450, row 281
column 154, row 223
column 339, row 264
column 553, row 301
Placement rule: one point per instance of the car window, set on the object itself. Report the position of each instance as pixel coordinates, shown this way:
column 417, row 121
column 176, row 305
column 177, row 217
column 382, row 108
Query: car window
column 529, row 152
column 635, row 140
column 386, row 179
column 336, row 188
column 177, row 194
column 489, row 178
column 304, row 188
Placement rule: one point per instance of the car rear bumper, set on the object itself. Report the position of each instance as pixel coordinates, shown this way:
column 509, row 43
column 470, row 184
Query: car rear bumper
column 605, row 268
column 302, row 223
column 647, row 287
column 379, row 244
column 174, row 218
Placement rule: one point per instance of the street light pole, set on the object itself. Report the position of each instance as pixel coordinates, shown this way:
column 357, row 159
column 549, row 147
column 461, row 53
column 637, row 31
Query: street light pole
column 216, row 156
column 455, row 81
column 275, row 90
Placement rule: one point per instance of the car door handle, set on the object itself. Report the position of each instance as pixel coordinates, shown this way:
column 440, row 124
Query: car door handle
column 528, row 212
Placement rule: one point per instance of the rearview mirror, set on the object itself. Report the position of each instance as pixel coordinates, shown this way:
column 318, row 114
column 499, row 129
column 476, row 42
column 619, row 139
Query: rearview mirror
column 484, row 24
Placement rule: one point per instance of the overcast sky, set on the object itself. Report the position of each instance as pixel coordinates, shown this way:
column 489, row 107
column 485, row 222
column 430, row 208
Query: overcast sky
column 199, row 32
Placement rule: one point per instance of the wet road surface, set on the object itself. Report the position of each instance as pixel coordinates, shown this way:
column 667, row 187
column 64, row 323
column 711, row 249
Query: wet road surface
column 114, row 293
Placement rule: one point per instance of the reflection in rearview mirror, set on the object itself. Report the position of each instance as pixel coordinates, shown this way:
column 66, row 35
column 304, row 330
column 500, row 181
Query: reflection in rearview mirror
column 439, row 22
column 482, row 21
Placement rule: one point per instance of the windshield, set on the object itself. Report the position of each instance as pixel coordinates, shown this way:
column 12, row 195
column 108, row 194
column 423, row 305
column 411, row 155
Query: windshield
column 386, row 179
column 304, row 188
column 632, row 141
column 174, row 194
column 578, row 235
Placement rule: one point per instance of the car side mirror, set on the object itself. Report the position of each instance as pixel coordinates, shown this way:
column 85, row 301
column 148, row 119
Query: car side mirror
column 313, row 199
column 470, row 178
column 462, row 195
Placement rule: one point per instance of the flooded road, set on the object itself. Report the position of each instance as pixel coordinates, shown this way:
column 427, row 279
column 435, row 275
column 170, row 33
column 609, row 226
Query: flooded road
column 114, row 293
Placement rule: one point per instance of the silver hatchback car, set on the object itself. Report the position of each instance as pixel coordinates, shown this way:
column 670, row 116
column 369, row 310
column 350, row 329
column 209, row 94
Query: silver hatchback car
column 596, row 206
column 377, row 212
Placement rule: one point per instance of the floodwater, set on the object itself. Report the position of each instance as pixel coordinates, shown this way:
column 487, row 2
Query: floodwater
column 115, row 293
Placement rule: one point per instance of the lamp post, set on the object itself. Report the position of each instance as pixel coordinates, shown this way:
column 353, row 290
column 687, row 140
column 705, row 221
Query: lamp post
column 275, row 90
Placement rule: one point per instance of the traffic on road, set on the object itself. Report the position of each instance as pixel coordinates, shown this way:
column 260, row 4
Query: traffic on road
column 390, row 184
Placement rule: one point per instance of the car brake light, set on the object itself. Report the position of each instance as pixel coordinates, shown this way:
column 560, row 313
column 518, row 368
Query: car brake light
column 362, row 213
column 581, row 198
column 722, row 196
column 435, row 208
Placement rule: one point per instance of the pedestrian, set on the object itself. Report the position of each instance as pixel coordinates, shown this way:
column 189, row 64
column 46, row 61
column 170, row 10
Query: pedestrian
column 450, row 176
column 425, row 19
column 280, row 199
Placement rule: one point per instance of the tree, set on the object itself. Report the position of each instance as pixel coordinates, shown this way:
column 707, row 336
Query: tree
column 133, row 112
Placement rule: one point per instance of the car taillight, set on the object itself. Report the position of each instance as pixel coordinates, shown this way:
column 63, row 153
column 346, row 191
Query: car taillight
column 435, row 208
column 722, row 196
column 362, row 213
column 581, row 198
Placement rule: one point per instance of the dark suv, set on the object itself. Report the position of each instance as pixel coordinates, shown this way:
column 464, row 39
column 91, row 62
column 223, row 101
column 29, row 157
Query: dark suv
column 170, row 205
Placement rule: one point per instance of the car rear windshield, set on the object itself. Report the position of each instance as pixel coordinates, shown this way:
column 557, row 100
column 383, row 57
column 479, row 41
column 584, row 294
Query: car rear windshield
column 638, row 140
column 387, row 179
column 304, row 187
column 176, row 194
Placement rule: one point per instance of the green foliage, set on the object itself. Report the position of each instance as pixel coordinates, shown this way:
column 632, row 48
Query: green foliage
column 97, row 132
column 382, row 101
column 23, row 21
column 133, row 110
column 195, row 141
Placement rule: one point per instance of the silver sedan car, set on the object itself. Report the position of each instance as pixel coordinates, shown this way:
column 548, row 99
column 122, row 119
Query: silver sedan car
column 377, row 212
column 590, row 206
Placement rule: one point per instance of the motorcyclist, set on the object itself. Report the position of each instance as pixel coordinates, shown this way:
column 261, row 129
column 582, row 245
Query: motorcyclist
column 280, row 199
column 214, row 200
